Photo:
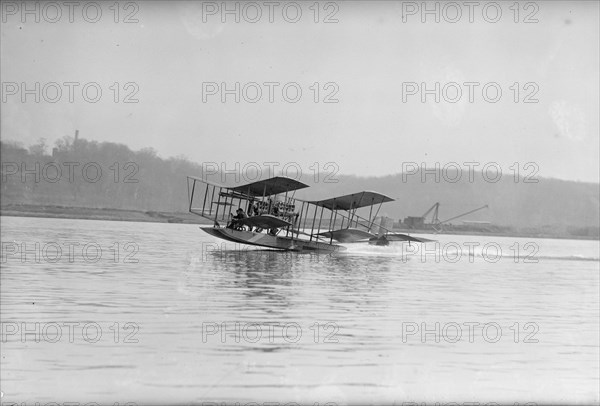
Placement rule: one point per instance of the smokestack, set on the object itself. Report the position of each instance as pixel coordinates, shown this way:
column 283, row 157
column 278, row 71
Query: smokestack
column 76, row 135
column 385, row 225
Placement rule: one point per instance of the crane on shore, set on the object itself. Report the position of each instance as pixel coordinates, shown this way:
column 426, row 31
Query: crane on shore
column 436, row 223
column 439, row 225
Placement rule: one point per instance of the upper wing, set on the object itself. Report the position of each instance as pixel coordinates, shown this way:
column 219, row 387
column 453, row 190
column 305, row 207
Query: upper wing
column 353, row 201
column 268, row 187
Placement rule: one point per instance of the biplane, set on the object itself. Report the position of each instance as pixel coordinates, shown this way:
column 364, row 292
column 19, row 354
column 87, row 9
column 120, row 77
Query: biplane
column 269, row 215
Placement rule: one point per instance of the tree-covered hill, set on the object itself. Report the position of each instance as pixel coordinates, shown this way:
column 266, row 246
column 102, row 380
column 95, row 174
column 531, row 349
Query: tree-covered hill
column 83, row 173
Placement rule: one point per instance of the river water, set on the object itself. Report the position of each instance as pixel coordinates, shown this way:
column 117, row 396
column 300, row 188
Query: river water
column 106, row 312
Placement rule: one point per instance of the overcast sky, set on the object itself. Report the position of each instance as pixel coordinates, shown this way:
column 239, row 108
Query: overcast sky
column 369, row 56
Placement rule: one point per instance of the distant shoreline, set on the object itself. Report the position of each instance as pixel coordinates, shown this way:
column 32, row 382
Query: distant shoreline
column 84, row 213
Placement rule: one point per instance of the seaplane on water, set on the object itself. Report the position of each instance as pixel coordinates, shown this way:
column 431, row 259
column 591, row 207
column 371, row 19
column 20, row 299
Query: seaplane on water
column 269, row 215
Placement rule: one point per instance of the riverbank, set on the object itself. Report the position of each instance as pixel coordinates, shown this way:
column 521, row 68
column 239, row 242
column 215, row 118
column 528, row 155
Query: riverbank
column 87, row 213
column 188, row 218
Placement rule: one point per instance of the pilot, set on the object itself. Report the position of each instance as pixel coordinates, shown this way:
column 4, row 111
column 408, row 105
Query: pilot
column 236, row 221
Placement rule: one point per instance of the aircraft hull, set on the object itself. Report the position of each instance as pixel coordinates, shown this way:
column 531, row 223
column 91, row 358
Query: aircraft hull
column 269, row 241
